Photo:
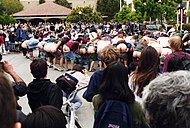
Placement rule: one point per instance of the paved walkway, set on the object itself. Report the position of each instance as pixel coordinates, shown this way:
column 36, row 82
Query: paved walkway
column 21, row 66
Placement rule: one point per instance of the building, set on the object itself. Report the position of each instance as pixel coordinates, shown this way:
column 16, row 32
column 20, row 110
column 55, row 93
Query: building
column 46, row 12
column 74, row 3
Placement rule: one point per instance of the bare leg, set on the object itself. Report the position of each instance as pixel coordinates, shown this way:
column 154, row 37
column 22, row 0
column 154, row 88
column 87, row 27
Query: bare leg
column 54, row 60
column 92, row 65
column 72, row 65
column 61, row 61
column 66, row 64
column 100, row 64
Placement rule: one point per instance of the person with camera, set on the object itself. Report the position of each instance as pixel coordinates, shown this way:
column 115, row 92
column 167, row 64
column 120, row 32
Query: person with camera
column 8, row 117
column 18, row 84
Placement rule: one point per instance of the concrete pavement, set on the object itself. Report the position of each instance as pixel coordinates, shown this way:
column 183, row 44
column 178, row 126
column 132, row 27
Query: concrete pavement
column 21, row 66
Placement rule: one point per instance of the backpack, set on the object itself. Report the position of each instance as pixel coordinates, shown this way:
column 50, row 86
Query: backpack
column 186, row 63
column 67, row 83
column 113, row 114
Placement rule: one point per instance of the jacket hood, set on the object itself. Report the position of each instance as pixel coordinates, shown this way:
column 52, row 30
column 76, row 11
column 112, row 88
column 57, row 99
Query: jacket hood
column 39, row 86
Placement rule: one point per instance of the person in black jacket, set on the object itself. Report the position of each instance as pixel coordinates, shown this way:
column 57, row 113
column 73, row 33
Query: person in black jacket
column 41, row 91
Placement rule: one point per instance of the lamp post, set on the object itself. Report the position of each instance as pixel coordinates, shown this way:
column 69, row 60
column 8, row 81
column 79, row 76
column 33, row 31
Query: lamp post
column 160, row 1
column 180, row 10
column 187, row 8
column 80, row 20
column 120, row 5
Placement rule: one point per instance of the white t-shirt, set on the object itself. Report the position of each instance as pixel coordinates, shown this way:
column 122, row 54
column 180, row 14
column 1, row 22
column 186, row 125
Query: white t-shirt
column 82, row 78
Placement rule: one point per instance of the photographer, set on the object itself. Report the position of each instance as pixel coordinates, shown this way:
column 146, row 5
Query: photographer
column 19, row 86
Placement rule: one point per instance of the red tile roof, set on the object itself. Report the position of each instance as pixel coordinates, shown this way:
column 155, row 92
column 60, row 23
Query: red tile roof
column 45, row 9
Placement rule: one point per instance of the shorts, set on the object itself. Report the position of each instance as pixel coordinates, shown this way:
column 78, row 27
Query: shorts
column 93, row 56
column 124, row 56
column 99, row 58
column 53, row 55
column 70, row 56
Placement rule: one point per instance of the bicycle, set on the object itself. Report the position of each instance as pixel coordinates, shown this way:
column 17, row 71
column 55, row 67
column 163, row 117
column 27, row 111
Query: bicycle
column 70, row 113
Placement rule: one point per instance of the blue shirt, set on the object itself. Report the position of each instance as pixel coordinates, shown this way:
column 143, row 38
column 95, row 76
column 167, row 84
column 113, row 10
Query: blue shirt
column 93, row 85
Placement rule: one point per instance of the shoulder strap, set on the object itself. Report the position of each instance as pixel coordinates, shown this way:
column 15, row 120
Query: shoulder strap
column 175, row 54
column 186, row 54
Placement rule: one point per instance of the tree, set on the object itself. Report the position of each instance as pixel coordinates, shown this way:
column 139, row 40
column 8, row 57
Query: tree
column 127, row 15
column 156, row 8
column 41, row 1
column 86, row 15
column 6, row 19
column 108, row 7
column 64, row 3
column 12, row 6
column 1, row 8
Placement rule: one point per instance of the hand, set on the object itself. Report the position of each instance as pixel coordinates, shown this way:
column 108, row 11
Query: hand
column 7, row 67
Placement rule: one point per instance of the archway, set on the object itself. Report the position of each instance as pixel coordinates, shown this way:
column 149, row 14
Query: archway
column 54, row 20
column 36, row 21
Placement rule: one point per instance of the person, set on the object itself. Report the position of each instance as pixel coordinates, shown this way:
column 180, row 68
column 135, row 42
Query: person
column 8, row 117
column 80, row 73
column 2, row 42
column 115, row 87
column 175, row 43
column 108, row 54
column 18, row 85
column 69, row 50
column 45, row 117
column 147, row 70
column 41, row 91
column 166, row 100
column 140, row 46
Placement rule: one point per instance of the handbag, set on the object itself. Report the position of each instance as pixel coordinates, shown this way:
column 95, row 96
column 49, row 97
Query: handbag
column 67, row 83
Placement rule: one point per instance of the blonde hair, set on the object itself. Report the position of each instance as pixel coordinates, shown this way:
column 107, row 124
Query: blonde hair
column 175, row 42
column 109, row 54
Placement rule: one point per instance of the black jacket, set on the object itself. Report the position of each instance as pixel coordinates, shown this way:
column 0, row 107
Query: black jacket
column 44, row 92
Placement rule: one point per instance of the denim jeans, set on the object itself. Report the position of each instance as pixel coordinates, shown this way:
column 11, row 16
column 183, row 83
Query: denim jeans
column 77, row 101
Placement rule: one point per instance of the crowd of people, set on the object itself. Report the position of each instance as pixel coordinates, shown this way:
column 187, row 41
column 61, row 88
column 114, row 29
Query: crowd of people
column 140, row 70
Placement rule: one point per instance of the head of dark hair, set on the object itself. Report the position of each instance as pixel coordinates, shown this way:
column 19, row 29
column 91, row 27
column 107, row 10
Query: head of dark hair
column 45, row 117
column 7, row 103
column 38, row 68
column 175, row 64
column 132, row 67
column 147, row 69
column 115, row 83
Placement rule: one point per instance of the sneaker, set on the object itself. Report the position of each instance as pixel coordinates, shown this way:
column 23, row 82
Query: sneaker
column 57, row 68
column 49, row 65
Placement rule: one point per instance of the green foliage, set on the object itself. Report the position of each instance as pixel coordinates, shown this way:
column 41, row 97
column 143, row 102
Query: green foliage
column 12, row 6
column 64, row 3
column 108, row 7
column 127, row 15
column 41, row 1
column 6, row 19
column 186, row 27
column 87, row 15
column 155, row 8
column 1, row 8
